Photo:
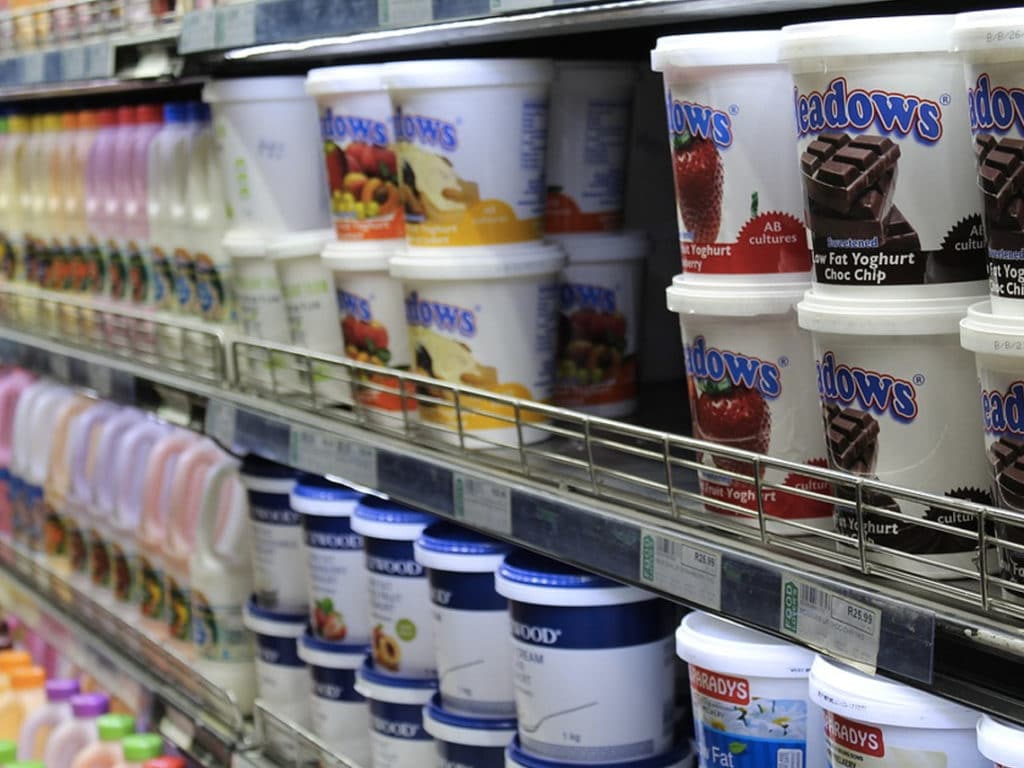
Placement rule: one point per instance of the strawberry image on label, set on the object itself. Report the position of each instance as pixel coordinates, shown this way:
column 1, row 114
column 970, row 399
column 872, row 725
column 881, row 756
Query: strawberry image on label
column 699, row 177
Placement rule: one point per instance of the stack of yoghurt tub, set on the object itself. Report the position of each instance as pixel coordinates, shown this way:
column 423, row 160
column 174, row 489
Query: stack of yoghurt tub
column 909, row 184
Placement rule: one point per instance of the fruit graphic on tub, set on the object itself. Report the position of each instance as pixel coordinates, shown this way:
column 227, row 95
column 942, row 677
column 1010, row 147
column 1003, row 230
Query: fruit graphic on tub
column 365, row 340
column 363, row 179
column 591, row 347
column 735, row 416
column 700, row 176
column 327, row 622
column 386, row 651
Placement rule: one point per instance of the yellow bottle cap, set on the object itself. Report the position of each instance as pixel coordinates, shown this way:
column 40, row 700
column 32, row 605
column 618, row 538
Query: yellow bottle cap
column 69, row 121
column 51, row 122
column 17, row 124
column 11, row 660
column 25, row 678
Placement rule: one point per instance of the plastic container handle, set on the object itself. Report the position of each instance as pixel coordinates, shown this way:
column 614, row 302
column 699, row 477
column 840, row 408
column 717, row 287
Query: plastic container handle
column 13, row 386
column 136, row 446
column 193, row 466
column 209, row 514
column 100, row 490
column 232, row 536
column 151, row 524
column 77, row 448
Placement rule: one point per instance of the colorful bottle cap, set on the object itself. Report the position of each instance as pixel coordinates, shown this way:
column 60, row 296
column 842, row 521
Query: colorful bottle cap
column 24, row 678
column 17, row 124
column 8, row 751
column 11, row 660
column 175, row 112
column 51, row 121
column 149, row 113
column 141, row 746
column 69, row 121
column 90, row 705
column 106, row 118
column 115, row 727
column 61, row 689
column 26, row 764
column 167, row 761
column 126, row 116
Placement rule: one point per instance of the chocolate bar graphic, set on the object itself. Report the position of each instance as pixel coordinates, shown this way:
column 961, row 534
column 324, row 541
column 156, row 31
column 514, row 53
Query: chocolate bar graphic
column 839, row 171
column 1006, row 456
column 851, row 437
column 1001, row 178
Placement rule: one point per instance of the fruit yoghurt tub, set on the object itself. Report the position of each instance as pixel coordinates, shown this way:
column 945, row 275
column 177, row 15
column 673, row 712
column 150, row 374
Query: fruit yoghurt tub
column 516, row 757
column 401, row 637
column 484, row 318
column 276, row 535
column 282, row 678
column 308, row 292
column 359, row 151
column 749, row 690
column 566, row 625
column 600, row 295
column 737, row 196
column 990, row 42
column 472, row 137
column 872, row 722
column 340, row 714
column 471, row 625
column 750, row 379
column 882, row 123
column 895, row 390
column 270, row 156
column 995, row 341
column 588, row 139
column 467, row 740
column 1001, row 742
column 334, row 561
column 372, row 314
column 397, row 736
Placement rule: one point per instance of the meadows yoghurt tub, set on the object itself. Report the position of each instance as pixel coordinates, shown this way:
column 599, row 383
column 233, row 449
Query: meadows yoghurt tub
column 737, row 197
column 472, row 138
column 1001, row 742
column 882, row 122
column 398, row 738
column 359, row 151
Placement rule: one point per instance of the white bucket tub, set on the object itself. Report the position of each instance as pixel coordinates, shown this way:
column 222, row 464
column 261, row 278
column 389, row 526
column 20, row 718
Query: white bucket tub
column 463, row 740
column 397, row 736
column 282, row 679
column 516, row 757
column 1001, row 742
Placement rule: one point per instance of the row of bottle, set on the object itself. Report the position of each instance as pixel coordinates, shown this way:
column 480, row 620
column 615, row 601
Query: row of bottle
column 145, row 517
column 122, row 204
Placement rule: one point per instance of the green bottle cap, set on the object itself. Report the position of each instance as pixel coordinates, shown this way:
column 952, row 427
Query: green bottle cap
column 115, row 727
column 141, row 746
column 8, row 751
column 26, row 764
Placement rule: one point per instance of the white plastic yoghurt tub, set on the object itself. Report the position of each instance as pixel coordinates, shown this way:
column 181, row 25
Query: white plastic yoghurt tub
column 592, row 663
column 471, row 625
column 371, row 307
column 472, row 139
column 269, row 151
column 399, row 594
column 882, row 122
column 588, row 139
column 750, row 378
column 738, row 198
column 1001, row 742
column 464, row 740
column 873, row 722
column 895, row 388
column 486, row 319
column 359, row 151
column 995, row 341
column 516, row 757
column 600, row 295
column 337, row 596
column 282, row 679
column 397, row 736
column 339, row 713
column 993, row 51
column 748, row 689
column 275, row 535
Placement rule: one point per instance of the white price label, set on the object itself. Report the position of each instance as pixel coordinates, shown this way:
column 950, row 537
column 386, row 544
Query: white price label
column 692, row 573
column 99, row 61
column 819, row 617
column 60, row 367
column 33, row 68
column 326, row 454
column 73, row 63
column 101, row 379
column 483, row 503
column 220, row 422
column 198, row 31
column 236, row 25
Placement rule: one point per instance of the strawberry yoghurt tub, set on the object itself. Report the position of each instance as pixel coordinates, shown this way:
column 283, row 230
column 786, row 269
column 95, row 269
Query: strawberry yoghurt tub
column 738, row 200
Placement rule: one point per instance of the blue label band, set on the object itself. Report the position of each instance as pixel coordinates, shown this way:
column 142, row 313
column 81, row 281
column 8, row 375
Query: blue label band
column 392, row 558
column 607, row 626
column 335, row 684
column 282, row 651
column 330, row 533
column 398, row 721
column 462, row 756
column 465, row 591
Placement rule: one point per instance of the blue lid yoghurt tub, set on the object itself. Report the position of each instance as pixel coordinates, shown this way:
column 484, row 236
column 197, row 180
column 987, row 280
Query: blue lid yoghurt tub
column 397, row 736
column 464, row 740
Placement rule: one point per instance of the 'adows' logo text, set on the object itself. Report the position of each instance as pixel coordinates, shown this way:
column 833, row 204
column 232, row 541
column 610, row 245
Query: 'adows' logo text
column 735, row 690
column 596, row 297
column 840, row 108
column 344, row 128
column 356, row 306
column 704, row 362
column 862, row 739
column 871, row 391
column 447, row 318
column 426, row 131
column 700, row 120
column 1004, row 411
column 997, row 108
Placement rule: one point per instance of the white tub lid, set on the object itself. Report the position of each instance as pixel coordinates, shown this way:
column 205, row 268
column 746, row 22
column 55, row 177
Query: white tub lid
column 765, row 295
column 988, row 333
column 361, row 255
column 866, row 37
column 255, row 89
column 455, row 728
column 319, row 497
column 841, row 313
column 445, row 546
column 613, row 74
column 479, row 263
column 245, row 244
column 265, row 621
column 393, row 690
column 723, row 646
column 296, row 245
column 529, row 578
column 1001, row 742
column 350, row 78
column 971, row 32
column 461, row 73
column 716, row 49
column 868, row 699
column 601, row 247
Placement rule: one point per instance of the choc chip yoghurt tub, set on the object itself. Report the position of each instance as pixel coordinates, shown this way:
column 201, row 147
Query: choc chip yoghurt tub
column 1001, row 742
column 882, row 124
column 738, row 201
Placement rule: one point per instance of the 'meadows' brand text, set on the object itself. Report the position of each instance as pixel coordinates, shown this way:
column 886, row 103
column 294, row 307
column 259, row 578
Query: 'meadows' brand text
column 576, row 296
column 704, row 362
column 1004, row 411
column 426, row 131
column 871, row 391
column 995, row 109
column 687, row 117
column 446, row 318
column 345, row 128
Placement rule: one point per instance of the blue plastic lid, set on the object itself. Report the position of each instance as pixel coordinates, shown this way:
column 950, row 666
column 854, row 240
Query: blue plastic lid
column 175, row 112
column 326, row 646
column 533, row 570
column 669, row 759
column 378, row 510
column 450, row 538
column 437, row 711
column 267, row 614
column 204, row 112
column 328, row 655
column 318, row 488
column 193, row 111
column 258, row 466
column 369, row 673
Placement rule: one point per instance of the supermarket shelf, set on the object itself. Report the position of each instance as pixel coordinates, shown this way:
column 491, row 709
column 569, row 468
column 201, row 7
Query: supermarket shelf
column 612, row 497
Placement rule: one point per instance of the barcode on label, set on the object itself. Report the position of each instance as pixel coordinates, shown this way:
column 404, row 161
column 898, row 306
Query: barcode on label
column 789, row 758
column 483, row 502
column 692, row 573
column 667, row 547
column 813, row 597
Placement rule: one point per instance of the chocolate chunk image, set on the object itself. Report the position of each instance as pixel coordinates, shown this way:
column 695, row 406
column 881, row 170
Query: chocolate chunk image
column 851, row 437
column 1000, row 174
column 1006, row 457
column 839, row 170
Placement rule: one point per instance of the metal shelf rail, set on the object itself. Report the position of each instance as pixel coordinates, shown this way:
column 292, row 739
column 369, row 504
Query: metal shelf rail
column 615, row 498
